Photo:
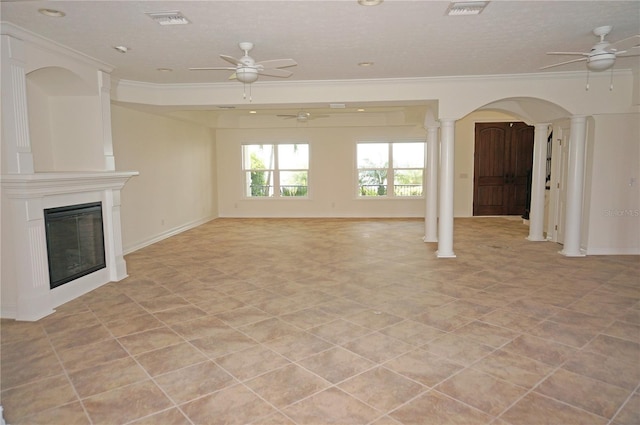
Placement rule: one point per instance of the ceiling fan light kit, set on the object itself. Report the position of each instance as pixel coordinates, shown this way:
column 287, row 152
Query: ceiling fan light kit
column 602, row 55
column 247, row 70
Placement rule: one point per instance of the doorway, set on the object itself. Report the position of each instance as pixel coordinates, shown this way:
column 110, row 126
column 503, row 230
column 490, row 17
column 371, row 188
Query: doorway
column 502, row 168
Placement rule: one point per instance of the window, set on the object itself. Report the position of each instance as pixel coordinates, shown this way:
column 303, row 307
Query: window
column 390, row 169
column 279, row 170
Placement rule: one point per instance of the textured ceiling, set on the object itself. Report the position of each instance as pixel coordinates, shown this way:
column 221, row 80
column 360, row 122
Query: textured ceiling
column 328, row 39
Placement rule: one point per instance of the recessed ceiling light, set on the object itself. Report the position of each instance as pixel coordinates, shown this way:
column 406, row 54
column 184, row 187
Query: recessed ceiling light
column 365, row 64
column 360, row 110
column 164, row 69
column 369, row 2
column 466, row 8
column 253, row 112
column 52, row 13
column 122, row 49
column 337, row 105
column 172, row 17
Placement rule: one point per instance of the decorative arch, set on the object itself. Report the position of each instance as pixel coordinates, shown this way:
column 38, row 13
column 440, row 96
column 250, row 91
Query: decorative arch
column 529, row 109
column 58, row 81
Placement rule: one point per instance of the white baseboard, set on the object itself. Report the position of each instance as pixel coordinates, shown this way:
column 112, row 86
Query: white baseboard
column 165, row 235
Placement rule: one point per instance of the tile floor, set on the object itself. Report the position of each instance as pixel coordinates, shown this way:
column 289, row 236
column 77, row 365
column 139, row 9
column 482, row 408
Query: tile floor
column 338, row 321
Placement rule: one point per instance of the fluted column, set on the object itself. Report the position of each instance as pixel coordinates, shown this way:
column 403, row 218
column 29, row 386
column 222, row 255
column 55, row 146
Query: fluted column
column 16, row 144
column 575, row 187
column 445, row 221
column 538, row 179
column 431, row 195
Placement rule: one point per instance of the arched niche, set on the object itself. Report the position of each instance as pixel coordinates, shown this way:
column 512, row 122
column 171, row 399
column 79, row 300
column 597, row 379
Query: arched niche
column 528, row 109
column 65, row 127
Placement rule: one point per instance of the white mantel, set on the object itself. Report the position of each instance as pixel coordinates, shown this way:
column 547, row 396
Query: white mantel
column 26, row 293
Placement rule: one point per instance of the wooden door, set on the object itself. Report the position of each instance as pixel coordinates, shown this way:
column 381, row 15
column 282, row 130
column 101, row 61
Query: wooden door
column 503, row 163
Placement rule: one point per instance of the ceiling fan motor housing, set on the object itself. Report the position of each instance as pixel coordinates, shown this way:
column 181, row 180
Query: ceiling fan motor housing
column 247, row 75
column 601, row 61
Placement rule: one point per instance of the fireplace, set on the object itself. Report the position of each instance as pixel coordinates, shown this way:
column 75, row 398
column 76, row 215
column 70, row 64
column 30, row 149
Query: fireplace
column 65, row 237
column 75, row 242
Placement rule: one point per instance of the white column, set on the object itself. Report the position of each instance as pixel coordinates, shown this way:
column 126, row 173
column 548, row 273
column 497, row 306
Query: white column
column 575, row 183
column 538, row 178
column 445, row 222
column 104, row 80
column 431, row 195
column 16, row 144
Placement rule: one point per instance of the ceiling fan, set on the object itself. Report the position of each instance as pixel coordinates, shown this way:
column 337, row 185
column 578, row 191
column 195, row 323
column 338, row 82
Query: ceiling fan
column 247, row 70
column 302, row 116
column 603, row 54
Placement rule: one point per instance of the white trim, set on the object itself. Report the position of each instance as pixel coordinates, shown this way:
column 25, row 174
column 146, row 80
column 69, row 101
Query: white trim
column 169, row 233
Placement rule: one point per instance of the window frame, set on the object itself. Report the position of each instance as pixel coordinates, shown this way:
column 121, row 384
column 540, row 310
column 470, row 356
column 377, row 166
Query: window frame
column 390, row 170
column 275, row 186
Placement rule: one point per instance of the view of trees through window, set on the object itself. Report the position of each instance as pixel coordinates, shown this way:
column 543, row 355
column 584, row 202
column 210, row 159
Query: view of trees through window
column 390, row 169
column 277, row 170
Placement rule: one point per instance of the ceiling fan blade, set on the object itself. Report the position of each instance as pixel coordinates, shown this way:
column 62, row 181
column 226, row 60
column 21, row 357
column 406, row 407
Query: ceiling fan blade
column 563, row 63
column 275, row 73
column 277, row 63
column 568, row 53
column 231, row 59
column 628, row 56
column 626, row 43
column 287, row 116
column 217, row 68
column 313, row 117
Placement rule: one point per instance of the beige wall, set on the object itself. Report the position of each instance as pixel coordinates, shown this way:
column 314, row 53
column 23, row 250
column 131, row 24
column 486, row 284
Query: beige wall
column 612, row 192
column 176, row 188
column 332, row 177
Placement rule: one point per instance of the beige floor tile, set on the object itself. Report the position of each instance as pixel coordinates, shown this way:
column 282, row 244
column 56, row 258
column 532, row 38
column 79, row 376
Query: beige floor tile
column 630, row 412
column 412, row 332
column 171, row 416
column 126, row 403
column 232, row 405
column 505, row 312
column 424, row 367
column 482, row 391
column 251, row 362
column 336, row 364
column 606, row 369
column 33, row 398
column 284, row 386
column 107, row 376
column 382, row 388
column 535, row 408
column 68, row 414
column 266, row 330
column 542, row 350
column 331, row 406
column 378, row 347
column 194, row 381
column 486, row 334
column 91, row 355
column 438, row 409
column 513, row 368
column 588, row 394
column 150, row 340
column 339, row 331
column 458, row 349
column 223, row 341
column 170, row 358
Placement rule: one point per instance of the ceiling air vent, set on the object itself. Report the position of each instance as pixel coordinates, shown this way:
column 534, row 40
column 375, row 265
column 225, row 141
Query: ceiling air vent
column 466, row 8
column 173, row 17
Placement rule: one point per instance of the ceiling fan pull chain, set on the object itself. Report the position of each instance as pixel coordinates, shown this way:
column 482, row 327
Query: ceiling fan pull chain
column 587, row 87
column 611, row 82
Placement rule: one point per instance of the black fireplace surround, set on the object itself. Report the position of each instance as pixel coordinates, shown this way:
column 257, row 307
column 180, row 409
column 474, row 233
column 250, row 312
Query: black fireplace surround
column 75, row 242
